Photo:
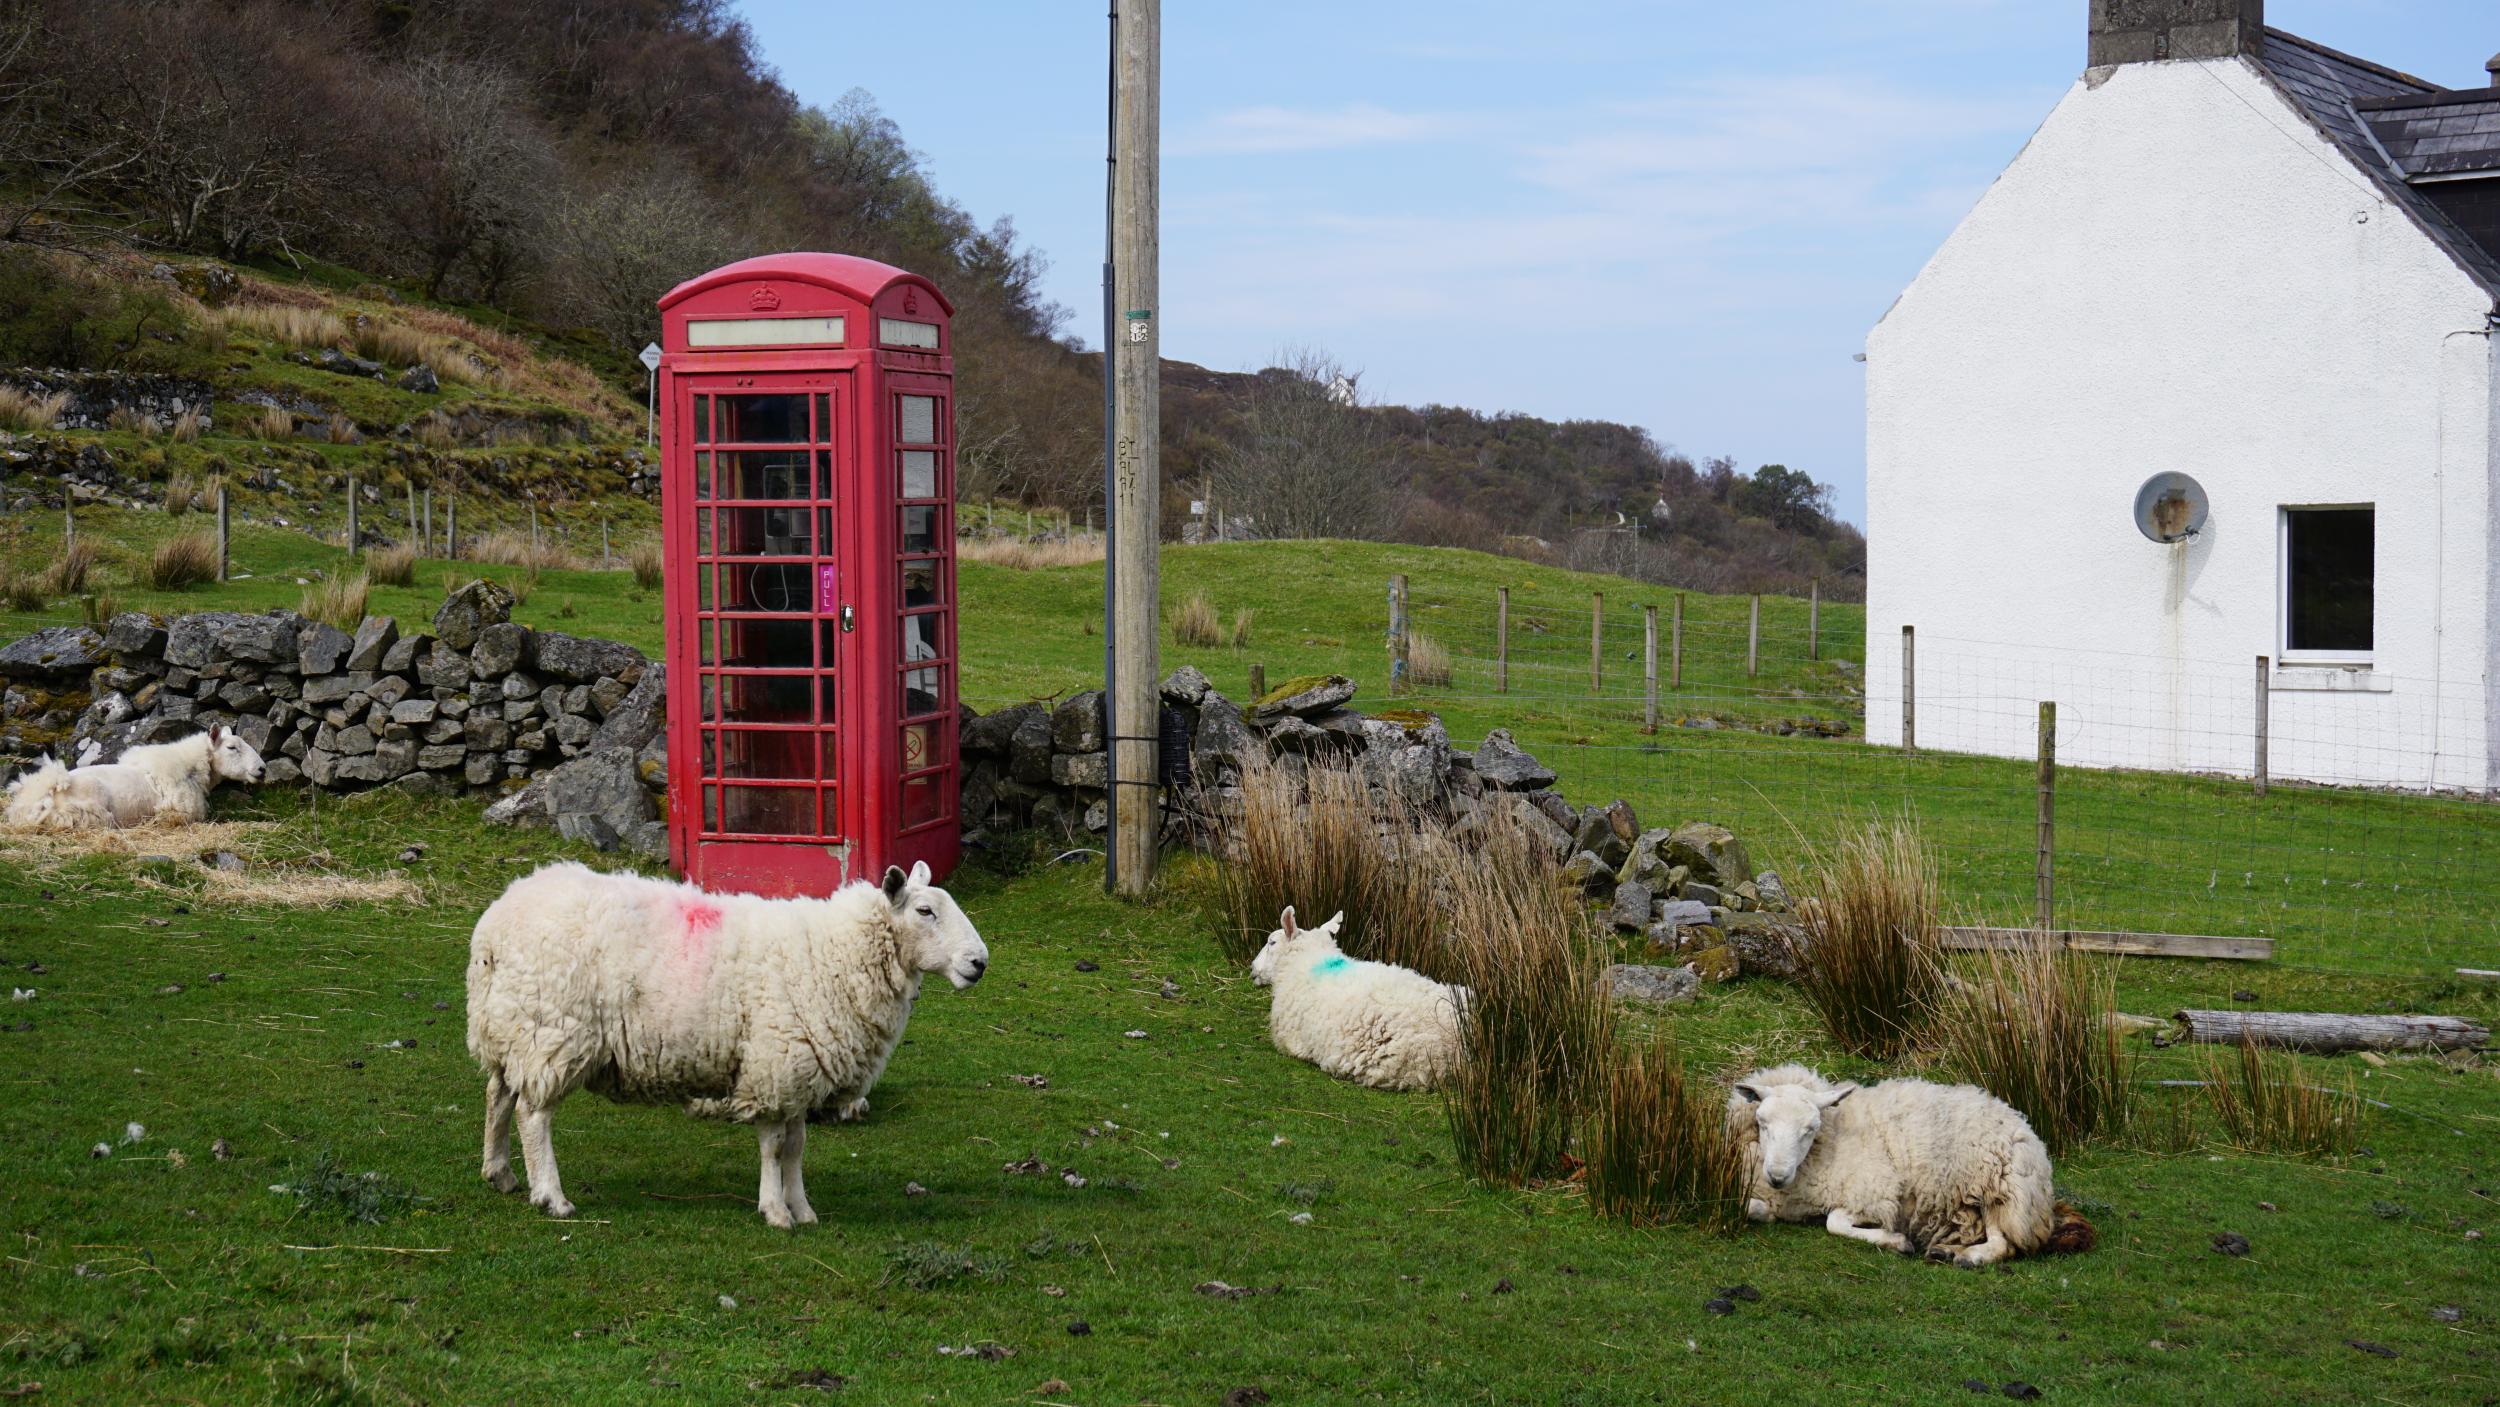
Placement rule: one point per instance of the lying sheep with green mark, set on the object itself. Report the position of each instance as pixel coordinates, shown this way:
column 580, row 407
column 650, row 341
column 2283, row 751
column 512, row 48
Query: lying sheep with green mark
column 1370, row 1022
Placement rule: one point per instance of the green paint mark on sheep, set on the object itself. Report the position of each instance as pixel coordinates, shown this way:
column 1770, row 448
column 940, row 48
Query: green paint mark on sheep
column 1331, row 966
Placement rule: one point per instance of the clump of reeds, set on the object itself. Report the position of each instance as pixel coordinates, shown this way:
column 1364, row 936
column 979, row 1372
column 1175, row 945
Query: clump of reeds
column 26, row 411
column 23, row 590
column 2034, row 1028
column 395, row 565
column 1871, row 956
column 648, row 563
column 1242, row 620
column 339, row 430
column 264, row 422
column 1538, row 1028
column 1316, row 837
column 1657, row 1145
column 182, row 561
column 1427, row 662
column 187, row 427
column 2264, row 1103
column 339, row 601
column 284, row 324
column 70, row 568
column 1019, row 555
column 435, row 430
column 508, row 548
column 131, row 421
column 1196, row 622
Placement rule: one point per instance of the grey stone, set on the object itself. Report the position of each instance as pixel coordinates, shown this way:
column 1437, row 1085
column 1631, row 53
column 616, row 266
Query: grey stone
column 1656, row 986
column 1706, row 895
column 465, row 613
column 485, row 733
column 602, row 785
column 1222, row 743
column 501, row 648
column 244, row 696
column 321, row 767
column 1766, row 944
column 353, row 742
column 441, row 757
column 444, row 667
column 525, row 806
column 577, row 699
column 531, row 742
column 59, row 652
column 1085, row 769
column 280, row 771
column 1301, row 697
column 413, row 711
column 1648, row 863
column 387, row 690
column 1630, row 911
column 321, row 647
column 1028, row 749
column 587, row 829
column 649, row 840
column 1684, row 913
column 640, row 717
column 1077, row 724
column 481, row 769
column 606, row 694
column 393, row 756
column 327, row 688
column 253, row 728
column 517, row 686
column 403, row 654
column 1587, row 872
column 422, row 783
column 1501, row 763
column 445, row 730
column 1771, row 889
column 420, row 380
column 1712, row 851
column 1291, row 734
column 579, row 659
column 520, row 710
column 376, row 637
column 574, row 732
column 991, row 734
column 134, row 635
column 1185, row 685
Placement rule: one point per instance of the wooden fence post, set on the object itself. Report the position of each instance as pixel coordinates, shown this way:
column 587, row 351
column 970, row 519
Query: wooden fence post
column 2263, row 701
column 605, row 558
column 351, row 515
column 422, row 544
column 69, row 523
column 451, row 526
column 1597, row 642
column 1909, row 689
column 1501, row 639
column 1814, row 620
column 2044, row 866
column 223, row 524
column 1753, row 639
column 1675, row 647
column 1649, row 669
column 427, row 537
column 1397, row 633
column 1258, row 682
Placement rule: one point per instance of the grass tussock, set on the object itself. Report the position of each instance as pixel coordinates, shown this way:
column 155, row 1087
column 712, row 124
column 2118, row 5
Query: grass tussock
column 399, row 344
column 649, row 564
column 339, row 430
column 1871, row 962
column 1535, row 1039
column 1197, row 622
column 132, row 422
column 1657, row 1145
column 506, row 548
column 1015, row 554
column 263, row 422
column 284, row 324
column 1242, row 621
column 187, row 427
column 339, row 601
column 26, row 412
column 182, row 494
column 328, row 1191
column 2264, row 1103
column 1319, row 840
column 435, row 430
column 71, row 568
column 182, row 561
column 392, row 566
column 930, row 1265
column 1427, row 662
column 2034, row 1028
column 23, row 590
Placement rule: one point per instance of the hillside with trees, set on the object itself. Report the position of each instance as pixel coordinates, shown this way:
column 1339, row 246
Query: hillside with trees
column 519, row 179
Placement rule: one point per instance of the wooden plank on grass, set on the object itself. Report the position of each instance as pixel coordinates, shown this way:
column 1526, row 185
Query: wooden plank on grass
column 2142, row 945
column 2327, row 1031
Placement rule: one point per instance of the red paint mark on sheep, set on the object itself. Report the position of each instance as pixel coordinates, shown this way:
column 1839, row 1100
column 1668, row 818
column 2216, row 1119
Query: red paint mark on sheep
column 701, row 919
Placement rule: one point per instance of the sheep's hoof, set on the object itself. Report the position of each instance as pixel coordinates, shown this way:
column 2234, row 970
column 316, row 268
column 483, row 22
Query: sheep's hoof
column 502, row 1180
column 777, row 1217
column 1758, row 1209
column 803, row 1214
column 555, row 1207
column 854, row 1111
column 1940, row 1255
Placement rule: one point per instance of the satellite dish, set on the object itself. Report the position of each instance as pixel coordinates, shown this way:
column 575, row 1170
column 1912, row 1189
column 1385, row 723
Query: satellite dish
column 2170, row 507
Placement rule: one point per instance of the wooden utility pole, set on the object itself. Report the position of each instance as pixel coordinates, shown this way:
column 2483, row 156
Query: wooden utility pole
column 1398, row 656
column 1130, row 358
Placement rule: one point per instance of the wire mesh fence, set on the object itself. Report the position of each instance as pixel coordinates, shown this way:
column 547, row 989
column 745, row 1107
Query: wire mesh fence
column 2342, row 813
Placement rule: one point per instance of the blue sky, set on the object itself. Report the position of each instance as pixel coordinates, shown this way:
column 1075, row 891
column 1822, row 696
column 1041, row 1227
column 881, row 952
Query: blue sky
column 1680, row 214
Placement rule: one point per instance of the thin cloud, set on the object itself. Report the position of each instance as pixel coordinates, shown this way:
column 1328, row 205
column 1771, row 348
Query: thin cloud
column 1284, row 129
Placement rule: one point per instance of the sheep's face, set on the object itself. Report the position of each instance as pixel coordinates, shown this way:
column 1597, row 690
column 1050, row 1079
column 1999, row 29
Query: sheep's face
column 1263, row 967
column 936, row 935
column 231, row 759
column 1786, row 1119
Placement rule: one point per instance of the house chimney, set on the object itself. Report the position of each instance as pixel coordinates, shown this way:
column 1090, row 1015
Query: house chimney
column 2492, row 67
column 2141, row 31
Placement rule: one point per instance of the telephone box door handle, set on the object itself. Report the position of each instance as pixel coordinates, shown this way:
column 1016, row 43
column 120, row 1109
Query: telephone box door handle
column 848, row 620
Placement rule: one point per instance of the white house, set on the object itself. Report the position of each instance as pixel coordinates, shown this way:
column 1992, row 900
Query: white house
column 2236, row 254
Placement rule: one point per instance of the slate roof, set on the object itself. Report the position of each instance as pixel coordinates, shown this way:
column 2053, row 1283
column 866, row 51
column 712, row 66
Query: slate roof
column 2443, row 134
column 2336, row 90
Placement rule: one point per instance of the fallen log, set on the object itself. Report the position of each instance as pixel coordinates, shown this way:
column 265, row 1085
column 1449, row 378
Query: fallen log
column 2325, row 1032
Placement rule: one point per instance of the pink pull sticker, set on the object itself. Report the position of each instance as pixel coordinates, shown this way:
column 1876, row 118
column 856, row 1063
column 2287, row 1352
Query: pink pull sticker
column 828, row 590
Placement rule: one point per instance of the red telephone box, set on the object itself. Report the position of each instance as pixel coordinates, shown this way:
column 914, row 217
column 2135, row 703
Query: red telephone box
column 807, row 462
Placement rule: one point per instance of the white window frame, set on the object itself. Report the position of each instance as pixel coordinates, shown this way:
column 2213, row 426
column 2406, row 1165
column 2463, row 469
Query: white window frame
column 2284, row 654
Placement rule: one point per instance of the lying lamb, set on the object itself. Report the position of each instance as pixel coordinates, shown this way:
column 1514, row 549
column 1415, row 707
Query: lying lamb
column 1370, row 1022
column 1948, row 1170
column 737, row 1007
column 159, row 782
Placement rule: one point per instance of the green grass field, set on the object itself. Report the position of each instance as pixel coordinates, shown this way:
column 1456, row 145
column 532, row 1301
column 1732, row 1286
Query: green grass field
column 295, row 1033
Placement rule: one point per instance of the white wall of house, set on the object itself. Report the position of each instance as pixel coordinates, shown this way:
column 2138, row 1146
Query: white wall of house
column 2180, row 273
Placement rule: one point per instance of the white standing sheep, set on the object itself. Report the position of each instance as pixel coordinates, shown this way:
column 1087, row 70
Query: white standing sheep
column 158, row 782
column 736, row 1007
column 1950, row 1171
column 1373, row 1023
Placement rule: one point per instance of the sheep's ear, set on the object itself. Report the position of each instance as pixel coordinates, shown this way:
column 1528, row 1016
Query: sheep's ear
column 1285, row 921
column 1752, row 1095
column 217, row 735
column 1333, row 923
column 920, row 874
column 896, row 882
column 1830, row 1097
